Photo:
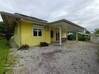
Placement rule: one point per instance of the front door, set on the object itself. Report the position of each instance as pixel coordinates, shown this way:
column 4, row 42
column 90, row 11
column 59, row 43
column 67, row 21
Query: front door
column 57, row 36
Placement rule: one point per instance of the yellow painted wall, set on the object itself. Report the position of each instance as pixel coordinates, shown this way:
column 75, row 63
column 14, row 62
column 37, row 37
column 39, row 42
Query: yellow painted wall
column 64, row 35
column 24, row 34
column 54, row 36
column 17, row 34
column 47, row 34
column 27, row 34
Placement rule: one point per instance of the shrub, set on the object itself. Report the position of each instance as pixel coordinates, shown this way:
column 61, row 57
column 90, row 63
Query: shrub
column 72, row 36
column 43, row 44
column 24, row 47
column 83, row 37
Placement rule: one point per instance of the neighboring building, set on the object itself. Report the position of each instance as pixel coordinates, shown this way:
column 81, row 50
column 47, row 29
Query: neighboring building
column 31, row 31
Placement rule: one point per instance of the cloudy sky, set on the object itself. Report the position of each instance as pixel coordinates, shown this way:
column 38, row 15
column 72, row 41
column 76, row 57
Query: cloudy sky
column 82, row 12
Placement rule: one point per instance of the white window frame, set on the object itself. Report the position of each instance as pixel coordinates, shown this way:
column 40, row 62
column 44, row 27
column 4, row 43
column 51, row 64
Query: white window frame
column 38, row 28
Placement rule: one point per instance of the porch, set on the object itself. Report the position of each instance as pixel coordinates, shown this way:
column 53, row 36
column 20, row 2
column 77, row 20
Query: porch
column 63, row 27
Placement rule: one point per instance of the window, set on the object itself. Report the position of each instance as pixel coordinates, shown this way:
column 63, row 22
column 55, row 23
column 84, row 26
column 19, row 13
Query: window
column 52, row 34
column 37, row 32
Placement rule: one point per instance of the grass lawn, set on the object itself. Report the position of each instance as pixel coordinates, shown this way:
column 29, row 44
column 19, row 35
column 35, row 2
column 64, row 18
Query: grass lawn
column 4, row 51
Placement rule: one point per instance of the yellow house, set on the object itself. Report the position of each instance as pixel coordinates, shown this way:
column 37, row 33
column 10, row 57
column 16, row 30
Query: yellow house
column 31, row 31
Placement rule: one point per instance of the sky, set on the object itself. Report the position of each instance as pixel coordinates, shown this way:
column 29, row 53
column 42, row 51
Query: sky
column 82, row 12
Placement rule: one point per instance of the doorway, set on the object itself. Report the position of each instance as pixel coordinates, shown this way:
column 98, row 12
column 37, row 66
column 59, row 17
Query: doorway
column 57, row 36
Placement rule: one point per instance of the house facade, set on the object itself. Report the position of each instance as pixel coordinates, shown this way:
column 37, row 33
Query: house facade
column 31, row 31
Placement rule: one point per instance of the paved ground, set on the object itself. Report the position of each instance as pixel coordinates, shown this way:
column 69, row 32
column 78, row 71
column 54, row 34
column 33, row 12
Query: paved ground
column 72, row 58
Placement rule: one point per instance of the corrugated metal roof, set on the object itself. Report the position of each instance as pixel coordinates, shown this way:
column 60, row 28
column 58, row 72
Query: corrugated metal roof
column 66, row 21
column 17, row 16
column 30, row 18
column 24, row 17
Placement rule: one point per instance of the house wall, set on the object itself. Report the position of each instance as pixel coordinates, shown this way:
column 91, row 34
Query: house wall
column 27, row 34
column 47, row 34
column 55, row 30
column 24, row 34
column 17, row 34
column 64, row 33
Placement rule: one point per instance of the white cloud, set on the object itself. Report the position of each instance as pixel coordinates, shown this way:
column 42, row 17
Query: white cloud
column 84, row 12
column 58, row 15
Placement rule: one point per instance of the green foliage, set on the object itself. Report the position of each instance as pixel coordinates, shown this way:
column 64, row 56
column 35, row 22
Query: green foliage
column 83, row 37
column 96, row 31
column 87, row 32
column 2, row 27
column 4, row 31
column 72, row 36
column 4, row 51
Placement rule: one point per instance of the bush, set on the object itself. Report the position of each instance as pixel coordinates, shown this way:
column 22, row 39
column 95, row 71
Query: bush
column 4, row 52
column 97, row 35
column 24, row 47
column 97, row 31
column 72, row 36
column 43, row 44
column 83, row 37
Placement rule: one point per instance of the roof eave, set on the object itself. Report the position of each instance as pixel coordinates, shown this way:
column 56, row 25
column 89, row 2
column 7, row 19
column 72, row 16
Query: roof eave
column 66, row 21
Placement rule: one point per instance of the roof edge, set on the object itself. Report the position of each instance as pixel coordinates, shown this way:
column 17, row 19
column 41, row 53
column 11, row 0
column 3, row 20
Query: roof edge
column 22, row 16
column 69, row 22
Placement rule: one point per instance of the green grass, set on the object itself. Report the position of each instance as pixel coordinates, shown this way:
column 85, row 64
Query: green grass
column 4, row 52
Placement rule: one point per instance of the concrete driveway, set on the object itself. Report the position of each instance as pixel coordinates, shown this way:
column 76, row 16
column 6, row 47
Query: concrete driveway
column 72, row 58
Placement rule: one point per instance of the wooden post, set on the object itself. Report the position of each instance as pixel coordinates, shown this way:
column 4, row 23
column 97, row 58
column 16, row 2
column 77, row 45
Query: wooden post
column 60, row 36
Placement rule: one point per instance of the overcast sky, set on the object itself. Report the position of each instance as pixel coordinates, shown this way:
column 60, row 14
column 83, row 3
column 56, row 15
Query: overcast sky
column 82, row 12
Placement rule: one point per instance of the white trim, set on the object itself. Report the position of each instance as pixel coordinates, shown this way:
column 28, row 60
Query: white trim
column 37, row 27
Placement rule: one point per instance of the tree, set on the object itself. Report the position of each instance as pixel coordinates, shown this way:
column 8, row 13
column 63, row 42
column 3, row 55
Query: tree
column 4, row 31
column 96, row 31
column 2, row 28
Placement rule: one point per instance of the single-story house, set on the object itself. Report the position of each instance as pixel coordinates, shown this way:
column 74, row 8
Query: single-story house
column 31, row 31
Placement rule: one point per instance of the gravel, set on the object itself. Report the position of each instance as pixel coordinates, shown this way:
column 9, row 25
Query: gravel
column 72, row 58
